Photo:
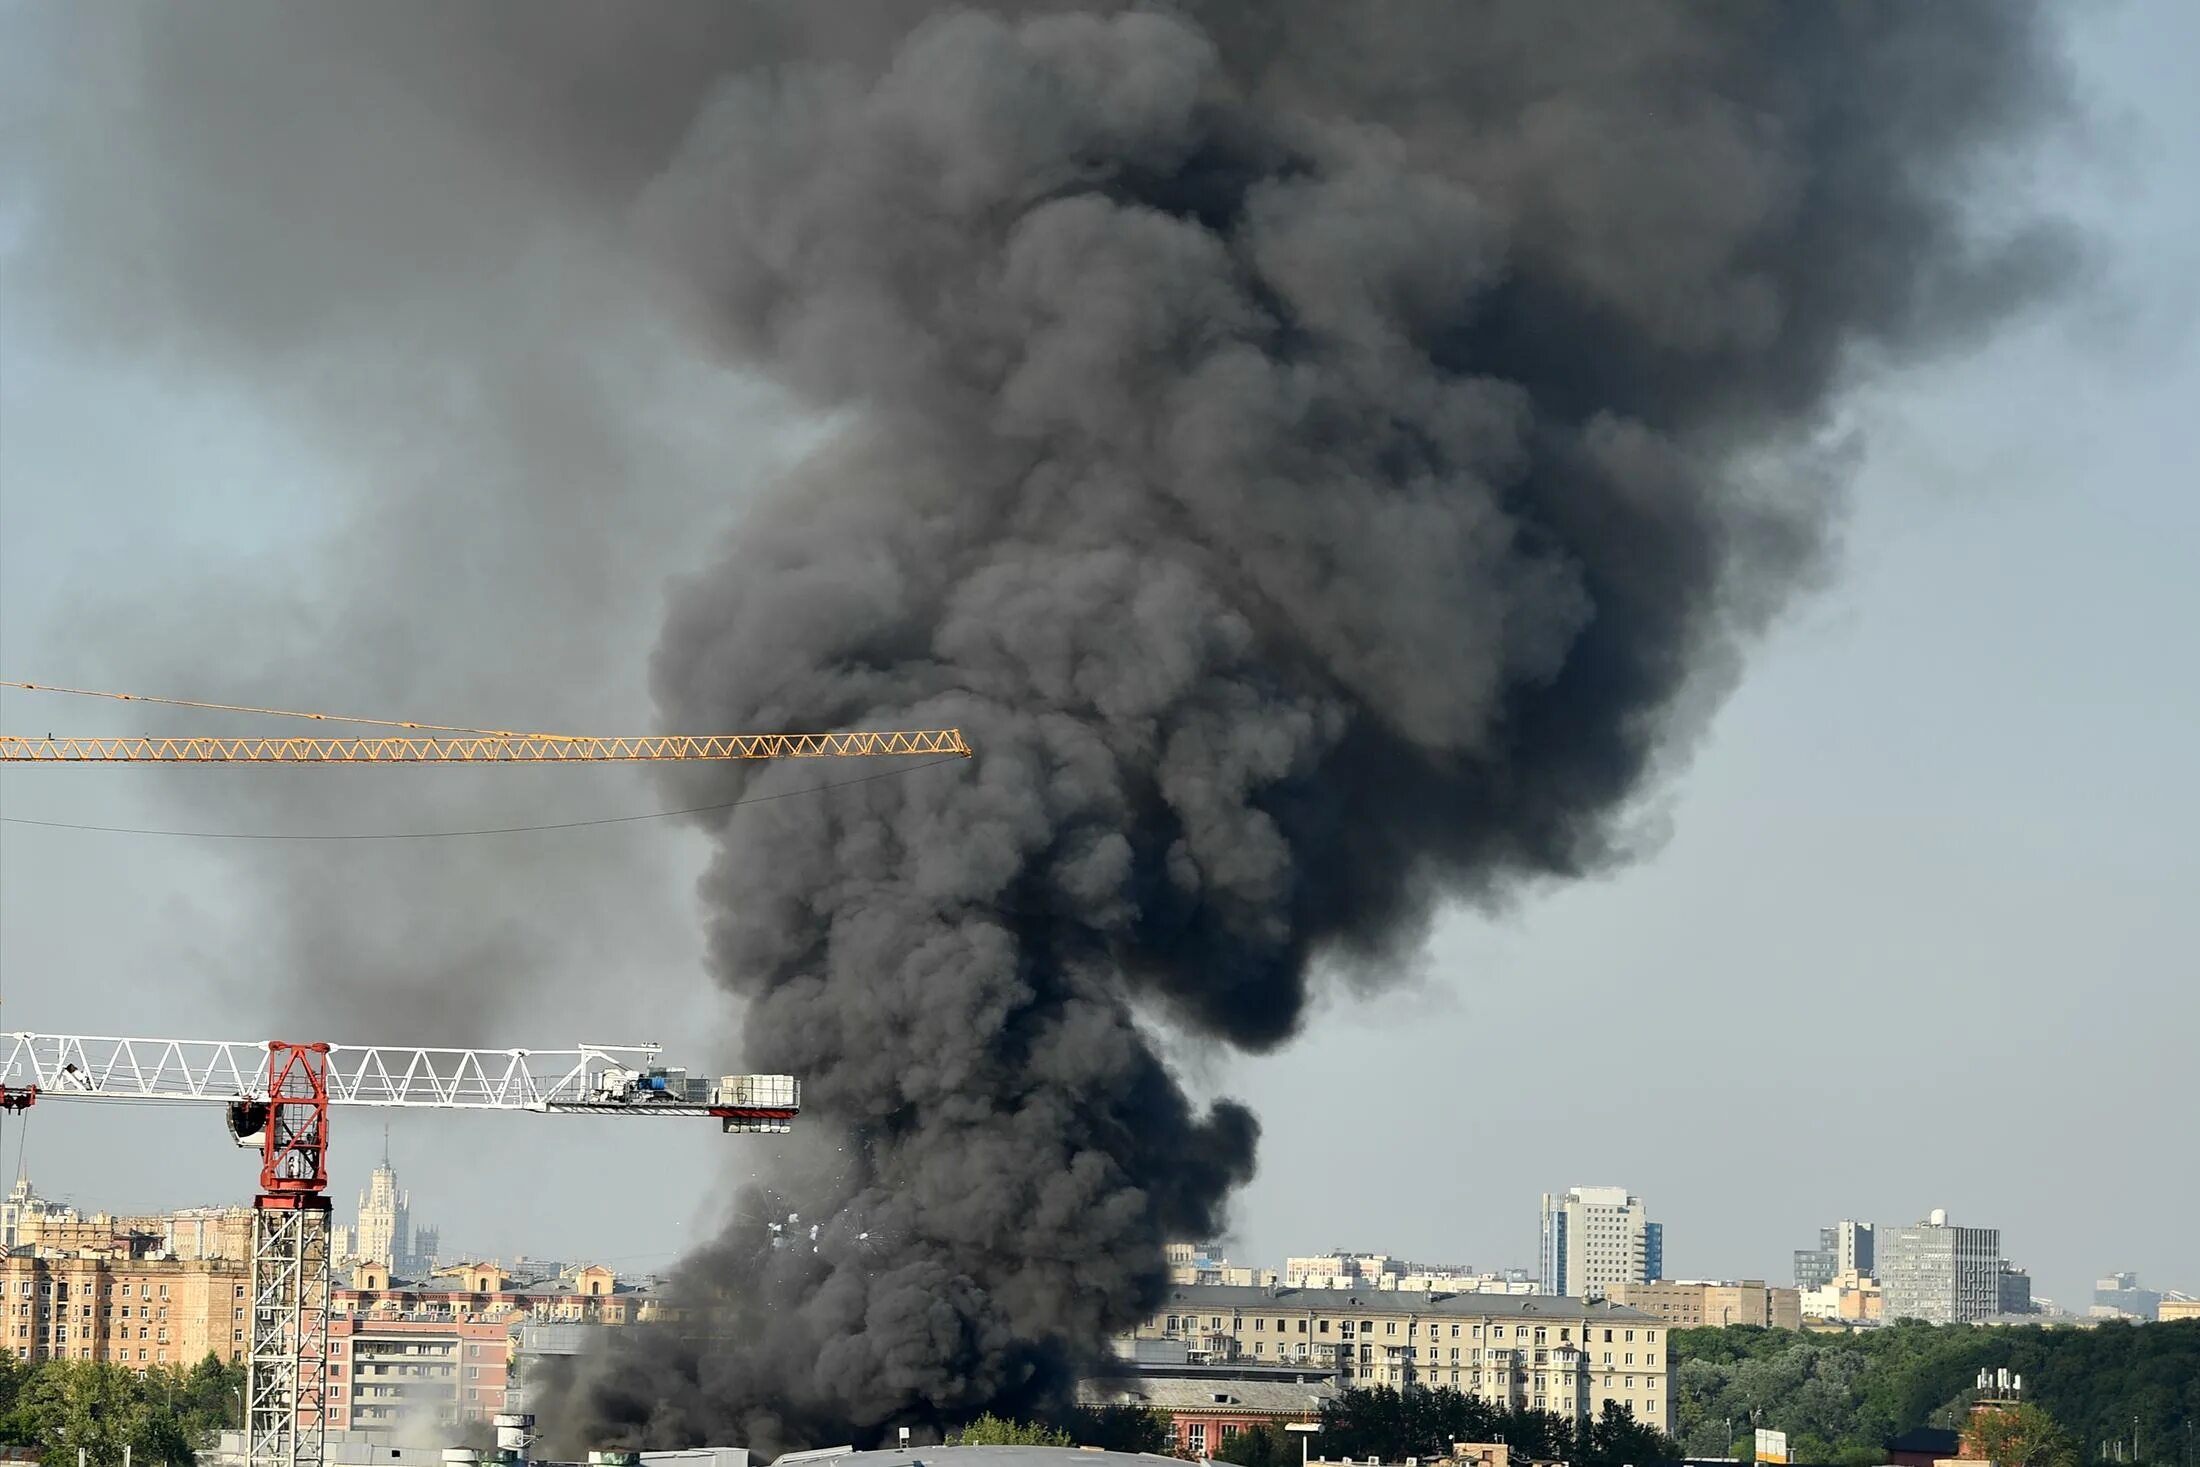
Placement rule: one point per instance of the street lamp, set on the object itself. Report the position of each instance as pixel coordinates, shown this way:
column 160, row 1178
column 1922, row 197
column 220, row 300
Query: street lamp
column 1305, row 1430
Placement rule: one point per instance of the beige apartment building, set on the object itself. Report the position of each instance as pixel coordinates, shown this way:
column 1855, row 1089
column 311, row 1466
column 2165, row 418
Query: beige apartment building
column 138, row 1312
column 1694, row 1305
column 1564, row 1355
column 2178, row 1309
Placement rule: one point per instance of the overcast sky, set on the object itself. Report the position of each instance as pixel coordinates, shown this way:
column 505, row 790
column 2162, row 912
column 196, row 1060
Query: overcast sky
column 1915, row 929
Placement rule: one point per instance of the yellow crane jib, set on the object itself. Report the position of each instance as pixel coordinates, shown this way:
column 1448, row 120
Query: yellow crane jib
column 442, row 743
column 478, row 748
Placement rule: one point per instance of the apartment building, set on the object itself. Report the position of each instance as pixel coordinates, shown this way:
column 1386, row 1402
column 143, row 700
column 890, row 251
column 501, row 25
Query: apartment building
column 1197, row 1263
column 138, row 1312
column 1597, row 1237
column 483, row 1291
column 1691, row 1305
column 1563, row 1355
column 385, row 1371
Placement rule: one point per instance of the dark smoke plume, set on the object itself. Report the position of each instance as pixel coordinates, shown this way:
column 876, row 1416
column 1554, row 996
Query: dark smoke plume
column 1326, row 456
column 1317, row 452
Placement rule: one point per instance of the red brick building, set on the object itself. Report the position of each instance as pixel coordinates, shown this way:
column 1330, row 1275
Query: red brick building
column 1211, row 1405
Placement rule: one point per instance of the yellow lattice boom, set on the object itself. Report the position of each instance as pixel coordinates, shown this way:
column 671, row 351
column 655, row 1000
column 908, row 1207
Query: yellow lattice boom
column 479, row 749
column 444, row 744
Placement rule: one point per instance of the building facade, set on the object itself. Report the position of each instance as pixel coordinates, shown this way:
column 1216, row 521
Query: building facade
column 1197, row 1263
column 1595, row 1238
column 1938, row 1273
column 1844, row 1248
column 385, row 1371
column 1848, row 1299
column 483, row 1291
column 1689, row 1305
column 138, row 1312
column 2174, row 1307
column 1564, row 1355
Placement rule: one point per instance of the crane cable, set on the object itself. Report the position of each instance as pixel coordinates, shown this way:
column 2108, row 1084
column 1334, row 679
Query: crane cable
column 813, row 789
column 495, row 733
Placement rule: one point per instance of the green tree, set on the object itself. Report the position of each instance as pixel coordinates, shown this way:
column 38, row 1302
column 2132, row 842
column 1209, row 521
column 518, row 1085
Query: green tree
column 1259, row 1446
column 2019, row 1436
column 1616, row 1439
column 71, row 1405
column 1132, row 1429
column 1000, row 1431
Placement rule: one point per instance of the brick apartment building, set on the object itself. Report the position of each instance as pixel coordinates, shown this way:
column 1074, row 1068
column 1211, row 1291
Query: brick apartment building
column 445, row 1370
column 1688, row 1305
column 139, row 1312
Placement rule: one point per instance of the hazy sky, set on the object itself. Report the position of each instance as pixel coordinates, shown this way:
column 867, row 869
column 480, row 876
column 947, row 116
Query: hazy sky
column 1909, row 935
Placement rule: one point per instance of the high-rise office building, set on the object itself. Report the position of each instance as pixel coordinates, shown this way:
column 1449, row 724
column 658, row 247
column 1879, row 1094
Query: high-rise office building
column 1938, row 1273
column 1597, row 1237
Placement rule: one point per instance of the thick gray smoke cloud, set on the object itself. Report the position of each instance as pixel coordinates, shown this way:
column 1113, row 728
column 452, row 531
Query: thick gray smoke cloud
column 1317, row 454
column 1325, row 456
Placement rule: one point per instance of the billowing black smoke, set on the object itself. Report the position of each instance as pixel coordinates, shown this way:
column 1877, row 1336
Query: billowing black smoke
column 1323, row 455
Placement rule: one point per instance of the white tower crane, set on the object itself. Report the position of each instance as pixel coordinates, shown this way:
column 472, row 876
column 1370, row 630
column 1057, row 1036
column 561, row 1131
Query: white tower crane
column 278, row 1096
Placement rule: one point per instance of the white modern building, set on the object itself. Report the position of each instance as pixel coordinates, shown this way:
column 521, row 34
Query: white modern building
column 1595, row 1238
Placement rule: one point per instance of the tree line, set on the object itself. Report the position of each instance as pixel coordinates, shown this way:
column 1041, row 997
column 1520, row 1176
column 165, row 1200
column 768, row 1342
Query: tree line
column 165, row 1415
column 1841, row 1397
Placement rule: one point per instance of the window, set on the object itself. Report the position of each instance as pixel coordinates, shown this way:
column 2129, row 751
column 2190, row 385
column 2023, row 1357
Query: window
column 1390, row 1326
column 1630, row 1336
column 1323, row 1327
column 1650, row 1337
column 1455, row 1331
column 1260, row 1324
column 1607, row 1337
column 1172, row 1319
column 1196, row 1435
column 1302, row 1326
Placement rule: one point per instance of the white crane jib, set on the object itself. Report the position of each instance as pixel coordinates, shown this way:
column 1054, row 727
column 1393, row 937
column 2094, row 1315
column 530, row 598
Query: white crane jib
column 599, row 1079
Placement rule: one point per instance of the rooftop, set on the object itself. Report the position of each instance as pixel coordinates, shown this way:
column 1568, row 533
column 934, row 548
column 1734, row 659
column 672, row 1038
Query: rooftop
column 1169, row 1393
column 985, row 1457
column 1208, row 1298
